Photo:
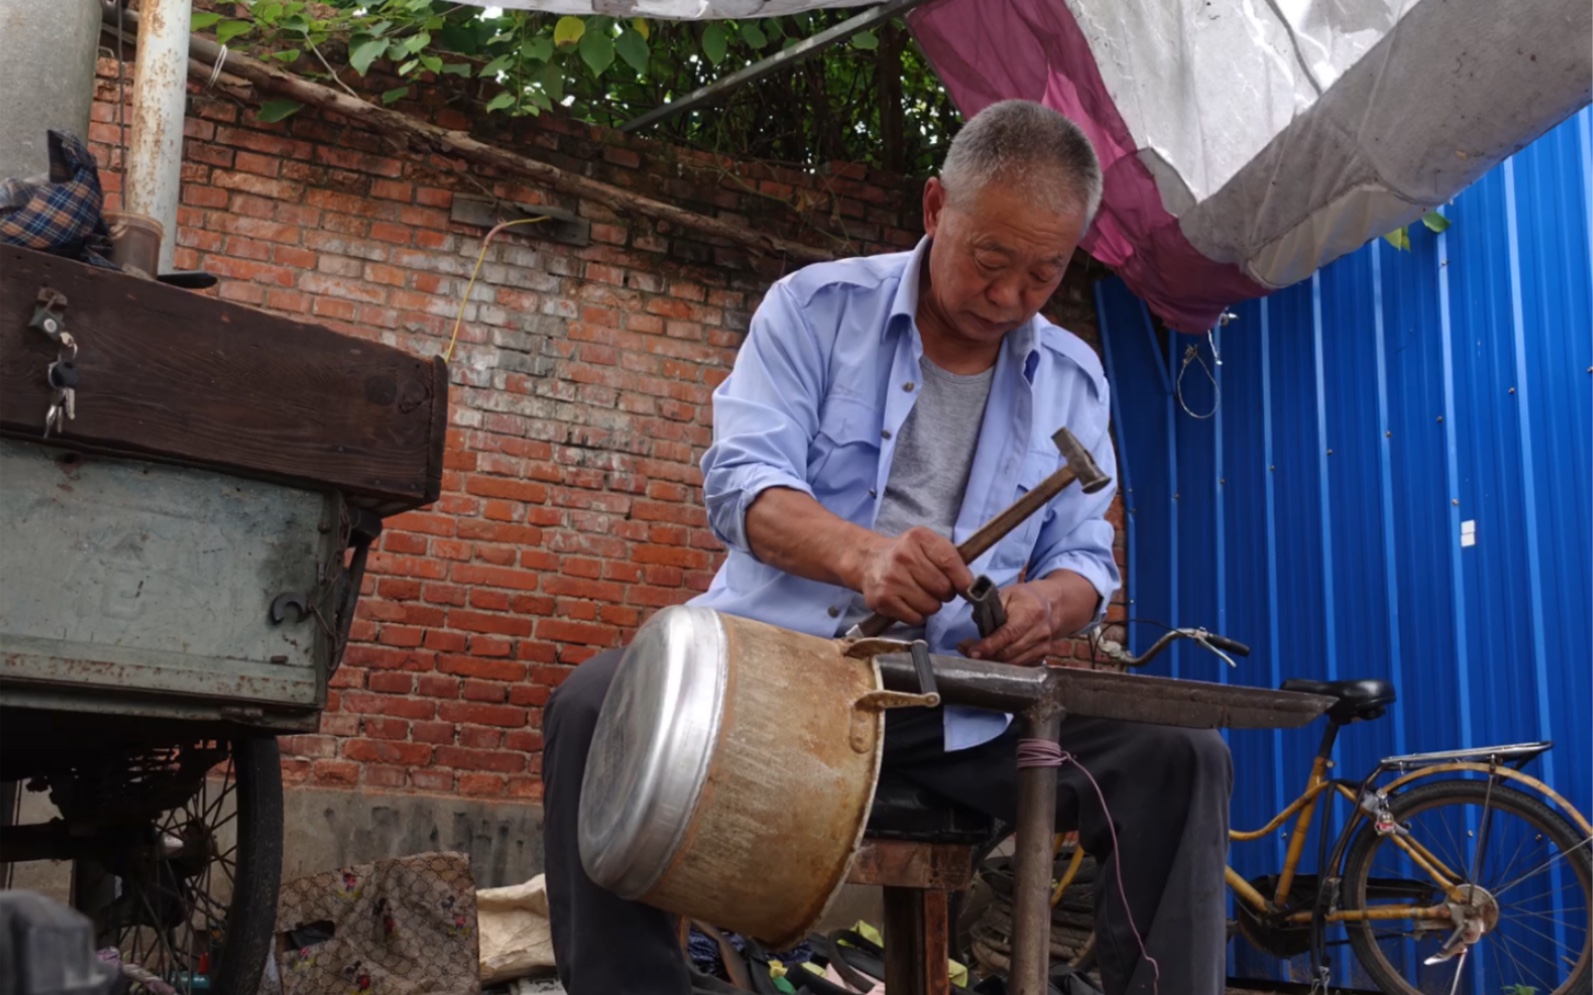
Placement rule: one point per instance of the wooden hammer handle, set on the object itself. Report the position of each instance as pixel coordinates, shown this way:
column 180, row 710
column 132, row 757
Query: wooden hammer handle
column 1016, row 513
column 988, row 535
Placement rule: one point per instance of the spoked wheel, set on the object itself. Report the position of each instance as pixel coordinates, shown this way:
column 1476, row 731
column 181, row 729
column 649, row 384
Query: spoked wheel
column 1526, row 876
column 195, row 903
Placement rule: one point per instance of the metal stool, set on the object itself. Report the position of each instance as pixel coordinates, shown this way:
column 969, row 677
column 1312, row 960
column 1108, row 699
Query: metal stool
column 920, row 848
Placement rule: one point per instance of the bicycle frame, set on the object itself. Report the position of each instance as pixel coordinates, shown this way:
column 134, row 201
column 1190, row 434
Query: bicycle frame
column 1305, row 807
column 1304, row 810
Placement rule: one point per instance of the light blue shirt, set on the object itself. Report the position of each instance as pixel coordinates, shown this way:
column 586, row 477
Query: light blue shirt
column 817, row 395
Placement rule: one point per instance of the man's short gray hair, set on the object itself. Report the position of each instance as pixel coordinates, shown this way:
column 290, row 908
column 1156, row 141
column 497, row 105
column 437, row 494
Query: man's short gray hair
column 1028, row 145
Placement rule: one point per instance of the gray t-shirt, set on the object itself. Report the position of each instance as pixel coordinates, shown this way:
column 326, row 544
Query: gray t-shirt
column 929, row 470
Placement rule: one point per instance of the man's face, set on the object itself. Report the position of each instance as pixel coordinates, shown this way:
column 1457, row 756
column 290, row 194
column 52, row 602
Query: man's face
column 995, row 259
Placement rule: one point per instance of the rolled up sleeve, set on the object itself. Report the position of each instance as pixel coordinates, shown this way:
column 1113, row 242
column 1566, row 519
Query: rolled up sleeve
column 1075, row 534
column 766, row 414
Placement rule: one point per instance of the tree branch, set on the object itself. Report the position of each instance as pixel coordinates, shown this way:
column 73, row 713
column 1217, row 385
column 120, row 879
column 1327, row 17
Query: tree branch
column 268, row 79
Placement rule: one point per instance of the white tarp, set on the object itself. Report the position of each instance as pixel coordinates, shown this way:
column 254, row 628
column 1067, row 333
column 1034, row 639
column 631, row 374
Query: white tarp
column 1246, row 143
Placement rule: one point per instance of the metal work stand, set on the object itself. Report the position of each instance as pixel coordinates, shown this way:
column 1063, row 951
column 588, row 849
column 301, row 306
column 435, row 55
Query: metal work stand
column 1040, row 697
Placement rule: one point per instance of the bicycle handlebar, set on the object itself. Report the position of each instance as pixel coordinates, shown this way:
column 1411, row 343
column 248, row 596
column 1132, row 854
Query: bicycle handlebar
column 1220, row 645
column 1233, row 646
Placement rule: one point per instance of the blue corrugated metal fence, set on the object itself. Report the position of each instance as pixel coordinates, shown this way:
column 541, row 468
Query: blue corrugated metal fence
column 1360, row 423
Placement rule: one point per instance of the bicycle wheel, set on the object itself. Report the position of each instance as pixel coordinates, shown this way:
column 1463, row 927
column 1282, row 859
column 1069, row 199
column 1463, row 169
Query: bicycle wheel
column 1531, row 886
column 196, row 906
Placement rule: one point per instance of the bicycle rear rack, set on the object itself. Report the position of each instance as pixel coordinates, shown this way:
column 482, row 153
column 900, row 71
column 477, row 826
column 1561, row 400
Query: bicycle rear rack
column 1516, row 754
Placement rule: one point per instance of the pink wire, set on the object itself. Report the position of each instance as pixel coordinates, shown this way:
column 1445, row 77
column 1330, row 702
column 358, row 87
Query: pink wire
column 1044, row 753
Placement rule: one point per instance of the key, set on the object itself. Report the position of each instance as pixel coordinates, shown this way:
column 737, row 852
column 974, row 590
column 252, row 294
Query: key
column 64, row 377
column 52, row 417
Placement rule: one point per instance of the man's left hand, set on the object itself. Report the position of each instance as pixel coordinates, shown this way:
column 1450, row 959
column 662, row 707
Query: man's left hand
column 1028, row 632
column 1038, row 612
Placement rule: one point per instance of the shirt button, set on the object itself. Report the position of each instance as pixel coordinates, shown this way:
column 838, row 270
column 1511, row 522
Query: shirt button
column 834, row 612
column 908, row 386
column 885, row 433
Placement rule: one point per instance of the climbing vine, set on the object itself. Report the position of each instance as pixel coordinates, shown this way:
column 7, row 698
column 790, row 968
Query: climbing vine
column 873, row 99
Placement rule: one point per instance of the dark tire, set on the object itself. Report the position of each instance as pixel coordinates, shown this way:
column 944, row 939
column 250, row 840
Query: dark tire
column 235, row 938
column 1536, row 863
column 252, row 918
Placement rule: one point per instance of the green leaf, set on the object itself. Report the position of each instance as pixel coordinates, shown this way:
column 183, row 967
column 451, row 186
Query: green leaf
column 1436, row 222
column 267, row 12
column 868, row 41
column 408, row 67
column 714, row 42
column 632, row 48
column 501, row 101
column 466, row 38
column 272, row 111
column 597, row 51
column 228, row 30
column 396, row 93
column 432, row 63
column 379, row 28
column 397, row 50
column 288, row 55
column 540, row 102
column 754, row 34
column 296, row 24
column 641, row 27
column 552, row 79
column 202, row 19
column 538, row 48
column 458, row 69
column 496, row 66
column 414, row 43
column 1399, row 238
column 364, row 51
column 568, row 31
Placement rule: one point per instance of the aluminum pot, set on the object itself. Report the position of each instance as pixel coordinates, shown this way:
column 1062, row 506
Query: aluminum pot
column 732, row 771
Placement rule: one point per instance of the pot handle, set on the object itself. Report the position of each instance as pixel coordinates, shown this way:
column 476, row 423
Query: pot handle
column 878, row 701
column 871, row 703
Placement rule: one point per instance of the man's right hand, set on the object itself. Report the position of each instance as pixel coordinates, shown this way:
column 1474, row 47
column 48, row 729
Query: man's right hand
column 908, row 578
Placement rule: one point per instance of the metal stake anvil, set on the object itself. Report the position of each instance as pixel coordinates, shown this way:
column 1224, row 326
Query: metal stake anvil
column 1041, row 697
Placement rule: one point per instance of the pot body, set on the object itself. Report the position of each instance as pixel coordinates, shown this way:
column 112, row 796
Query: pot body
column 731, row 773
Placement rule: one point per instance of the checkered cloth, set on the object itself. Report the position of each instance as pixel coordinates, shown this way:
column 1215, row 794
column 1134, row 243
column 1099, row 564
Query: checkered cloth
column 60, row 214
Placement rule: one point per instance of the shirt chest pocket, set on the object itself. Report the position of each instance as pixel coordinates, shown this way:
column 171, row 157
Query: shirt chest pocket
column 1013, row 553
column 843, row 459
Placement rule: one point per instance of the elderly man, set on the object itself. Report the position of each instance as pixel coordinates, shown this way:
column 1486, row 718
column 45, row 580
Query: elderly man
column 880, row 409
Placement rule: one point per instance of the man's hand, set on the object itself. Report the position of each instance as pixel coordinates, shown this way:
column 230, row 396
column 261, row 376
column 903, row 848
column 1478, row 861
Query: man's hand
column 1038, row 613
column 908, row 578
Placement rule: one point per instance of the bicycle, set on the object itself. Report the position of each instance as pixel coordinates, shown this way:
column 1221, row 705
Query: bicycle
column 1514, row 924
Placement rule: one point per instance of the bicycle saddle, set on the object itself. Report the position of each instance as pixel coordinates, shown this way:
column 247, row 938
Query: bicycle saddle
column 1366, row 698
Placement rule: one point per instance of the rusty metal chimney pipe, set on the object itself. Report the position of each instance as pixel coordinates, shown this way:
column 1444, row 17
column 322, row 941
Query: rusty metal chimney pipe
column 160, row 97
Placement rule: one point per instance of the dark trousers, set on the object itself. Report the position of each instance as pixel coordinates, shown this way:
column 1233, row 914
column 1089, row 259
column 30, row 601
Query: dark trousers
column 1167, row 790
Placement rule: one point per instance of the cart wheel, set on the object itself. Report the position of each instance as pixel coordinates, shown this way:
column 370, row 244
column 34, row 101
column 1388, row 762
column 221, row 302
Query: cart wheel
column 196, row 905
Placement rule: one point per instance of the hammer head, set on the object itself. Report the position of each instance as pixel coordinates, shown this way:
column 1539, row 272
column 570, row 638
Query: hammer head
column 1079, row 460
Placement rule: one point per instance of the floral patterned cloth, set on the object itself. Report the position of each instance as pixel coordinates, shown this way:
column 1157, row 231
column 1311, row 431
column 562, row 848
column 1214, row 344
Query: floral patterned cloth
column 405, row 926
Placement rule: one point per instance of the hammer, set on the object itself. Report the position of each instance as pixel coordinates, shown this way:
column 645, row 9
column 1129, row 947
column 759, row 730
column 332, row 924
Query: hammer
column 1077, row 464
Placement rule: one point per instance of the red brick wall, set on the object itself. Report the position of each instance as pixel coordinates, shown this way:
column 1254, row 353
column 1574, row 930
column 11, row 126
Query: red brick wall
column 580, row 401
